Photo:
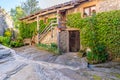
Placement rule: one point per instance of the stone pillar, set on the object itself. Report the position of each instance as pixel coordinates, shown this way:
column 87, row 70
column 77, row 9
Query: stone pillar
column 58, row 30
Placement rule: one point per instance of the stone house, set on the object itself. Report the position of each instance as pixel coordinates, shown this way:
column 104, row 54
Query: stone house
column 66, row 38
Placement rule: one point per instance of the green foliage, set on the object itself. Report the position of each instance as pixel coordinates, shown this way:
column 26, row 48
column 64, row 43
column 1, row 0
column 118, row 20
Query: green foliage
column 42, row 25
column 108, row 24
column 5, row 41
column 30, row 6
column 53, row 45
column 96, row 58
column 51, row 48
column 16, row 44
column 50, row 19
column 28, row 30
column 99, row 32
column 75, row 20
column 8, row 33
column 26, row 8
column 16, row 14
column 19, row 39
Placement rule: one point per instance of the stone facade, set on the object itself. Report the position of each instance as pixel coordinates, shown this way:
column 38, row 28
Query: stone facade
column 108, row 5
column 63, row 41
column 51, row 37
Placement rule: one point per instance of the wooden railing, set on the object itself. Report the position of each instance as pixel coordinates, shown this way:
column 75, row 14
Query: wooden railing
column 48, row 28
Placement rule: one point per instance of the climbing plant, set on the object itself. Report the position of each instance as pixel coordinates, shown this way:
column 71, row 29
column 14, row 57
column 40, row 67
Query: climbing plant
column 27, row 30
column 100, row 33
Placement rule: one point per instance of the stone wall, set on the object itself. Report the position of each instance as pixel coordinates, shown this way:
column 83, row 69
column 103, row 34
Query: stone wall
column 108, row 5
column 50, row 37
column 63, row 41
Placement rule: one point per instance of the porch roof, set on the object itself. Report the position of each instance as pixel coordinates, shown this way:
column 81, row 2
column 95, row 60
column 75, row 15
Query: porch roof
column 63, row 6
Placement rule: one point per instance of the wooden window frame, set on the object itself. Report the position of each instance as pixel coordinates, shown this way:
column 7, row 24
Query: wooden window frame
column 90, row 12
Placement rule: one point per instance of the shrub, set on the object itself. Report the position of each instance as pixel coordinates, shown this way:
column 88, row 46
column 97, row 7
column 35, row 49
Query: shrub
column 53, row 45
column 16, row 44
column 19, row 39
column 98, row 54
column 5, row 41
column 8, row 33
column 96, row 58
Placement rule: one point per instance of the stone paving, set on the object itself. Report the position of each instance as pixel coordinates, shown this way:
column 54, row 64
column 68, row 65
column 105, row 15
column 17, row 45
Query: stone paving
column 23, row 65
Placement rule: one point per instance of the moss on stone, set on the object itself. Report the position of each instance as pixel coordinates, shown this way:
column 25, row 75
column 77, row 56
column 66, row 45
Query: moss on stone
column 96, row 77
column 117, row 75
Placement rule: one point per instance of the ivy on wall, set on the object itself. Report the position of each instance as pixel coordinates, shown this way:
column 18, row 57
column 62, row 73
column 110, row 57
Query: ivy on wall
column 100, row 32
column 108, row 24
column 42, row 25
column 29, row 30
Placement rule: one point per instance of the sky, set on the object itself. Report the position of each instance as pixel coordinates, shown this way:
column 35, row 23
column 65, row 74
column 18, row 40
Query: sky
column 8, row 4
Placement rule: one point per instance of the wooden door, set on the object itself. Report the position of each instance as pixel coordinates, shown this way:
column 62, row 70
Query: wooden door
column 74, row 41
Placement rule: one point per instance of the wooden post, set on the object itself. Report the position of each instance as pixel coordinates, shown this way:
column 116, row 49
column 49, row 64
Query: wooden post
column 58, row 31
column 37, row 30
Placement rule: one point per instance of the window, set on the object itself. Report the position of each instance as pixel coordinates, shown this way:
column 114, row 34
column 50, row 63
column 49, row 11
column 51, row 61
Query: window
column 88, row 11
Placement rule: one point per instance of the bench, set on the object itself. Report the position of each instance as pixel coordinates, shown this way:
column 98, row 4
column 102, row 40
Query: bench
column 27, row 41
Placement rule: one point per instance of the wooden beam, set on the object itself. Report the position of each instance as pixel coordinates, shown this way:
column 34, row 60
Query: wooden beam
column 37, row 30
column 67, row 4
column 58, row 33
column 48, row 12
column 37, row 23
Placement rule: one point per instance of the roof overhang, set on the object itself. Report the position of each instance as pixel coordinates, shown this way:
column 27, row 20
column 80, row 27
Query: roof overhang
column 53, row 9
